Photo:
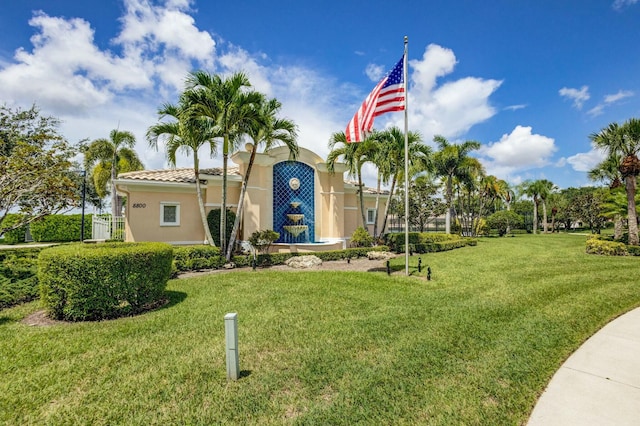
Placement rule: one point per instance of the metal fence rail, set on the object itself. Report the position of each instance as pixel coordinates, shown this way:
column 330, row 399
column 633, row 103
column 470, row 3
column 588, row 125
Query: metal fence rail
column 106, row 227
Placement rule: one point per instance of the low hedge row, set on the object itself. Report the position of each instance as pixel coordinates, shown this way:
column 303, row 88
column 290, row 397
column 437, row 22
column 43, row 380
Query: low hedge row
column 427, row 242
column 396, row 240
column 14, row 236
column 93, row 282
column 325, row 256
column 60, row 228
column 193, row 258
column 597, row 245
column 18, row 276
column 440, row 246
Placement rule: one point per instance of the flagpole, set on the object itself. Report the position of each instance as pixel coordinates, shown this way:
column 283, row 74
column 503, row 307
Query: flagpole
column 406, row 160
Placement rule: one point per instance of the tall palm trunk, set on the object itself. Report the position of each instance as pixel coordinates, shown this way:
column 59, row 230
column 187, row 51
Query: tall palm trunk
column 243, row 190
column 361, row 186
column 203, row 216
column 386, row 208
column 114, row 195
column 535, row 216
column 632, row 217
column 223, row 208
column 375, row 221
column 449, row 214
column 618, row 223
column 544, row 217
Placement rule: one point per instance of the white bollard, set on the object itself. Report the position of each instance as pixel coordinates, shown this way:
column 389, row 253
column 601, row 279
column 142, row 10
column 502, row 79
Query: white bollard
column 231, row 336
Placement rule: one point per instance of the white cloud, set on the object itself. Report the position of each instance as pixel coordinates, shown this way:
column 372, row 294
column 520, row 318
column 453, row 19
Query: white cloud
column 596, row 110
column 374, row 72
column 515, row 107
column 449, row 109
column 608, row 101
column 518, row 151
column 621, row 4
column 579, row 97
column 94, row 90
column 585, row 161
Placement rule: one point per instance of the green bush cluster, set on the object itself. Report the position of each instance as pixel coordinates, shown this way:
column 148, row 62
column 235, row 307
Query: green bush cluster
column 595, row 245
column 18, row 276
column 425, row 242
column 60, row 228
column 14, row 236
column 213, row 220
column 93, row 282
column 262, row 240
column 504, row 220
column 326, row 256
column 193, row 258
column 361, row 238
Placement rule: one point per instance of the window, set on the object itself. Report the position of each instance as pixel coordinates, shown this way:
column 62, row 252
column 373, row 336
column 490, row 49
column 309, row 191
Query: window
column 371, row 216
column 169, row 214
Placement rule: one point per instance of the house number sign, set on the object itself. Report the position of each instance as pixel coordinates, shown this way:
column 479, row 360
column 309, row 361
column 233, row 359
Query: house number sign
column 139, row 205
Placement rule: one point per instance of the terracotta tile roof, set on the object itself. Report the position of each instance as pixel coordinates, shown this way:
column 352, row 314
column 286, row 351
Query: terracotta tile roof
column 185, row 175
column 367, row 189
column 182, row 175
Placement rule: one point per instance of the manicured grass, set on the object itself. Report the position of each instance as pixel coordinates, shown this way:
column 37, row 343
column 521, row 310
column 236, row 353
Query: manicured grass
column 475, row 345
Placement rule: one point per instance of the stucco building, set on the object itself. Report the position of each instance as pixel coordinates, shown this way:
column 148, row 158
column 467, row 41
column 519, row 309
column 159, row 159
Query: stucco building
column 310, row 207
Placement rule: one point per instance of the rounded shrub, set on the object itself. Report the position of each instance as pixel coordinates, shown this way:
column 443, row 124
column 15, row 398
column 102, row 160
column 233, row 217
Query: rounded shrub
column 361, row 238
column 92, row 282
column 213, row 219
column 13, row 236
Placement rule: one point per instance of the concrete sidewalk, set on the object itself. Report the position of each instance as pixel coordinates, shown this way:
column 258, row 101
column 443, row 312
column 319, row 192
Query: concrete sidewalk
column 600, row 383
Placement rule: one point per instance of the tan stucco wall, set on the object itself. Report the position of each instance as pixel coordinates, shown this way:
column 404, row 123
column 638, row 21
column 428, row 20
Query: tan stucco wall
column 337, row 206
column 143, row 222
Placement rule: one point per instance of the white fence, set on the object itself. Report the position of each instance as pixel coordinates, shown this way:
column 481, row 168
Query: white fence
column 105, row 227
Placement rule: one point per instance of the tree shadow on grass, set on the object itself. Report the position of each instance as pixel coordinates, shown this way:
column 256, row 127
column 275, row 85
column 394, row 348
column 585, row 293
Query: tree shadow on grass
column 6, row 320
column 173, row 297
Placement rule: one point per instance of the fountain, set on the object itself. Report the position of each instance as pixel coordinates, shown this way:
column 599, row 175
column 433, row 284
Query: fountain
column 295, row 226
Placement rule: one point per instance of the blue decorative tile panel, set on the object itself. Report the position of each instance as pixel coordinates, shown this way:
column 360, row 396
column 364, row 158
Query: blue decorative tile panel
column 293, row 202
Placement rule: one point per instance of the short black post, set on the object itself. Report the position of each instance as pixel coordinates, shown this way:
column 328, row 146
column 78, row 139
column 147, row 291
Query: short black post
column 419, row 264
column 388, row 268
column 348, row 260
column 253, row 263
column 428, row 273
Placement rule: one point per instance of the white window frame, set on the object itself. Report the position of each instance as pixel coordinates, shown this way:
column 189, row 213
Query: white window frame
column 164, row 204
column 370, row 221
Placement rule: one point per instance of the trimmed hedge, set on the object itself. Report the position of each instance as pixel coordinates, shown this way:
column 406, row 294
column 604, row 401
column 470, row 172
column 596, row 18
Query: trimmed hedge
column 60, row 228
column 193, row 258
column 14, row 236
column 428, row 242
column 18, row 276
column 596, row 245
column 325, row 256
column 92, row 282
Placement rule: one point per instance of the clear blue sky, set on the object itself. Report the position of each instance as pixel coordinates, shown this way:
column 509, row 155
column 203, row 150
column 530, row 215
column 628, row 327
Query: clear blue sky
column 528, row 79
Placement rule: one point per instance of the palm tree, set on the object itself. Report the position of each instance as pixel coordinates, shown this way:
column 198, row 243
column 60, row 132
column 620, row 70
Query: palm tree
column 546, row 189
column 108, row 157
column 355, row 155
column 539, row 190
column 231, row 109
column 188, row 134
column 607, row 171
column 391, row 160
column 449, row 163
column 624, row 141
column 268, row 131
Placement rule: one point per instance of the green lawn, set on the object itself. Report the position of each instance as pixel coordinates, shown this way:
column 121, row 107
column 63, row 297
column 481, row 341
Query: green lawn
column 475, row 345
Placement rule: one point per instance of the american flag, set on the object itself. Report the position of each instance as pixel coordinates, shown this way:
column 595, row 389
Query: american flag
column 387, row 96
